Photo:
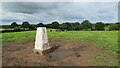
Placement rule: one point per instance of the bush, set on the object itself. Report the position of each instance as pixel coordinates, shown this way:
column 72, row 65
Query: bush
column 86, row 25
column 32, row 27
column 13, row 25
column 40, row 25
column 114, row 27
column 65, row 26
column 17, row 29
column 99, row 26
column 25, row 25
column 55, row 25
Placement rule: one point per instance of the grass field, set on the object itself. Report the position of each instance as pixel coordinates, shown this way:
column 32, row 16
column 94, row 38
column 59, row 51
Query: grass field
column 105, row 39
column 5, row 29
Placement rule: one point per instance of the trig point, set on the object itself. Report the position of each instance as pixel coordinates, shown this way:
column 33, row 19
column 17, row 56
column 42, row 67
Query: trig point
column 41, row 42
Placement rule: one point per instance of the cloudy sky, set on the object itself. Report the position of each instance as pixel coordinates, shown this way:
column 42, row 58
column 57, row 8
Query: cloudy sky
column 46, row 12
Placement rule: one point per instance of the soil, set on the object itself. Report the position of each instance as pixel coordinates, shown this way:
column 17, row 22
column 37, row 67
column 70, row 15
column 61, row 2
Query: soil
column 63, row 53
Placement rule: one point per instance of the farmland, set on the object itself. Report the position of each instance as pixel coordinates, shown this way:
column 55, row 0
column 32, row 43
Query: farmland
column 106, row 40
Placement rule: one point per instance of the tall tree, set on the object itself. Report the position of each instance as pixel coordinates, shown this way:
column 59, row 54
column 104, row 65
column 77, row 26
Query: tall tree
column 99, row 26
column 74, row 26
column 118, row 23
column 65, row 26
column 86, row 24
column 25, row 24
column 32, row 27
column 114, row 27
column 48, row 25
column 107, row 24
column 55, row 25
column 13, row 25
column 40, row 25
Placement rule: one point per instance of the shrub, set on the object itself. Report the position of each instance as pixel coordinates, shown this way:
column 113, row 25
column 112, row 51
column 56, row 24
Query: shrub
column 55, row 25
column 13, row 25
column 99, row 26
column 25, row 25
column 17, row 29
column 86, row 25
column 113, row 27
column 40, row 25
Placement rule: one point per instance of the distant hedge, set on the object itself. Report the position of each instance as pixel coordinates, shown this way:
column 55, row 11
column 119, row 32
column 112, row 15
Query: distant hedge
column 4, row 31
column 86, row 25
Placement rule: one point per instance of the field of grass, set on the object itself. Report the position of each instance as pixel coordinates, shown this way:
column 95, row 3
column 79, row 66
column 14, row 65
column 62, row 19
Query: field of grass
column 105, row 39
column 5, row 29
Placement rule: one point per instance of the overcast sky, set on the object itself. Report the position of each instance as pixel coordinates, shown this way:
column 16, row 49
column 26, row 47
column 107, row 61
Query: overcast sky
column 46, row 12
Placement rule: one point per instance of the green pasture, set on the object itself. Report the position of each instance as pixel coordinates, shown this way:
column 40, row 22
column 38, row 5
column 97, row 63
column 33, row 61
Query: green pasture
column 6, row 29
column 105, row 39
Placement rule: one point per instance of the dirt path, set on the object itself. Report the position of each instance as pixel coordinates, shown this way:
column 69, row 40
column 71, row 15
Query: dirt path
column 66, row 54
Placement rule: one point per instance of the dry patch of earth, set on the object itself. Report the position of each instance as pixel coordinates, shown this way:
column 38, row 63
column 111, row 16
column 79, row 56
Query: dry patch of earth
column 64, row 53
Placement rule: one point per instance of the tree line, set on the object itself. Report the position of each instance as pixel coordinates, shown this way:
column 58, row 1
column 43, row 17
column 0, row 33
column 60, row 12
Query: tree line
column 85, row 25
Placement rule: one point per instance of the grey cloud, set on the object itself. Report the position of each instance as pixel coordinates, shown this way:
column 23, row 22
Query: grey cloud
column 60, row 11
column 27, row 7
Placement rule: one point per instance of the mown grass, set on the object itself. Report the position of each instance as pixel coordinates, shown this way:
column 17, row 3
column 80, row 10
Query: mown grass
column 105, row 39
column 18, row 36
column 5, row 29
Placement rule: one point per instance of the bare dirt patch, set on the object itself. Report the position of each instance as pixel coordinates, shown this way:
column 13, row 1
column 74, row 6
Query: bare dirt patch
column 65, row 53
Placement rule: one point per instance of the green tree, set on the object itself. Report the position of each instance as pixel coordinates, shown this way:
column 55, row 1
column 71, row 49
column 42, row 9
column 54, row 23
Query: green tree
column 62, row 26
column 25, row 25
column 79, row 27
column 55, row 25
column 114, row 27
column 74, row 26
column 65, row 26
column 118, row 23
column 32, row 27
column 48, row 25
column 100, row 26
column 107, row 24
column 86, row 24
column 93, row 27
column 17, row 28
column 13, row 25
column 40, row 25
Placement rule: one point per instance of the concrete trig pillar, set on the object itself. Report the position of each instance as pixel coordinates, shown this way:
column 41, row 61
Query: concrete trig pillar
column 41, row 42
